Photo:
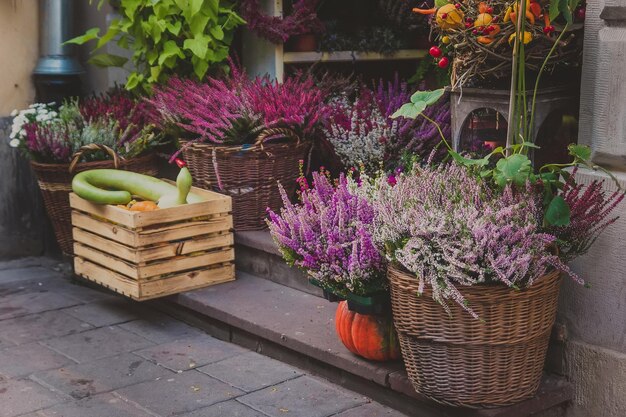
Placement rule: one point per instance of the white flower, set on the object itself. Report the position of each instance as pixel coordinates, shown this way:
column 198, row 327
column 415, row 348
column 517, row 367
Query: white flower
column 14, row 143
column 14, row 113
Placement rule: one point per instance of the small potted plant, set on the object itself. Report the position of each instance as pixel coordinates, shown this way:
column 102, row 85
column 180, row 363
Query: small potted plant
column 241, row 135
column 329, row 236
column 298, row 30
column 113, row 130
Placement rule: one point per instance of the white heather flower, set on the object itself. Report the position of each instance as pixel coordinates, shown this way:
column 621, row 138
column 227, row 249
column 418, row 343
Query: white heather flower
column 14, row 113
column 14, row 143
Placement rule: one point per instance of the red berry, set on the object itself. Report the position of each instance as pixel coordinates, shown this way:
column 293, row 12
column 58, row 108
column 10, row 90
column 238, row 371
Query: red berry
column 474, row 32
column 435, row 52
column 458, row 6
column 485, row 32
column 481, row 28
column 490, row 10
column 581, row 13
column 495, row 19
column 443, row 62
column 444, row 16
column 469, row 20
column 468, row 25
column 491, row 28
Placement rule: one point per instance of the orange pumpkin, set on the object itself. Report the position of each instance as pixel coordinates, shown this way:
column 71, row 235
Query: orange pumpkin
column 370, row 336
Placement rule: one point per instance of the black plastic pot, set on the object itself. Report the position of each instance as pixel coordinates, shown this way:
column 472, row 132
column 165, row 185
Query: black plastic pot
column 378, row 303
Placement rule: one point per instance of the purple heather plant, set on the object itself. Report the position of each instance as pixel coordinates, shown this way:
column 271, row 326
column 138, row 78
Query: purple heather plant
column 450, row 229
column 329, row 236
column 302, row 20
column 235, row 109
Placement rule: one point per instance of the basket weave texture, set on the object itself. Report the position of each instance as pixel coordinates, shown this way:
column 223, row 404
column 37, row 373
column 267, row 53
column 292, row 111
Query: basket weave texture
column 249, row 174
column 458, row 360
column 55, row 183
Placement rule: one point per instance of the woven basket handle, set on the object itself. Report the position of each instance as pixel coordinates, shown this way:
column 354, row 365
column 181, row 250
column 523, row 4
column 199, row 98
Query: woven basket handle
column 94, row 147
column 274, row 132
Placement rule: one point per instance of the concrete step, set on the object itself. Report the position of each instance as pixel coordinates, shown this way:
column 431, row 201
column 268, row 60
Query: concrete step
column 296, row 327
column 256, row 253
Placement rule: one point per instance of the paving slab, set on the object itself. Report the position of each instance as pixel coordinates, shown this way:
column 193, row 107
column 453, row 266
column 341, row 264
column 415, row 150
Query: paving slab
column 105, row 405
column 304, row 397
column 159, row 328
column 88, row 379
column 371, row 410
column 251, row 371
column 226, row 409
column 288, row 317
column 26, row 359
column 28, row 261
column 97, row 343
column 19, row 397
column 21, row 304
column 25, row 274
column 41, row 326
column 186, row 354
column 179, row 394
column 105, row 312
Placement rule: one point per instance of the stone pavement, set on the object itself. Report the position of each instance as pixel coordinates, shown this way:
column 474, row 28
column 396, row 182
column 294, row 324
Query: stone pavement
column 67, row 350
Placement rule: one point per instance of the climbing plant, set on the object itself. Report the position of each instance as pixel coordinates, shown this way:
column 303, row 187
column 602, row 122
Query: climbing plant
column 183, row 37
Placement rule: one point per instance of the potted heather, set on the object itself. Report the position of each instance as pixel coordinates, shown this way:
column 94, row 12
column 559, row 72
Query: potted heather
column 112, row 130
column 241, row 135
column 364, row 135
column 475, row 270
column 328, row 235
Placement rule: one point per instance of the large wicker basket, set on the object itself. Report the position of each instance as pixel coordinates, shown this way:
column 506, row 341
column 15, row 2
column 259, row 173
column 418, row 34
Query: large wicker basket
column 493, row 361
column 55, row 183
column 248, row 173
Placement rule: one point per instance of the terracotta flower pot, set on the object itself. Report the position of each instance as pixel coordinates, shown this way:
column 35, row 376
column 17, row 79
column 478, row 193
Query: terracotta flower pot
column 302, row 43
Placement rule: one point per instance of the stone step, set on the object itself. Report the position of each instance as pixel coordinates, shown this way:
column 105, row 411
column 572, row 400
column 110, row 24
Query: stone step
column 298, row 328
column 256, row 253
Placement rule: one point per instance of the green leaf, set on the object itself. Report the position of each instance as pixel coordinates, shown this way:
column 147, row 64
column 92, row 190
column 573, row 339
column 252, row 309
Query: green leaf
column 558, row 212
column 467, row 161
column 566, row 11
column 217, row 32
column 554, row 9
column 130, row 7
column 409, row 111
column 86, row 37
column 107, row 60
column 195, row 6
column 427, row 97
column 110, row 34
column 200, row 68
column 198, row 24
column 170, row 49
column 514, row 169
column 154, row 74
column 198, row 45
column 174, row 28
column 582, row 152
column 440, row 3
column 133, row 81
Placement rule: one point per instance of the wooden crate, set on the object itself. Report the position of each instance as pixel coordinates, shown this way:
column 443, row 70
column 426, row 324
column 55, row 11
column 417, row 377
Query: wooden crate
column 145, row 255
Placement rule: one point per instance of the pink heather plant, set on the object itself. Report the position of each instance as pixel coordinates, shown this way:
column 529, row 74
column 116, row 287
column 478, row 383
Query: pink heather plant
column 451, row 230
column 234, row 110
column 329, row 236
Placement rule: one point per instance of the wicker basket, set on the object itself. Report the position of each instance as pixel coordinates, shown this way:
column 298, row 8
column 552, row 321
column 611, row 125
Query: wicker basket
column 55, row 183
column 461, row 361
column 249, row 173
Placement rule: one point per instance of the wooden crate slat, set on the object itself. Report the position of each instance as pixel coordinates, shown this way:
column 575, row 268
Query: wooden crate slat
column 202, row 243
column 111, row 231
column 105, row 211
column 100, row 275
column 185, row 263
column 148, row 218
column 114, row 248
column 104, row 259
column 186, row 282
column 183, row 230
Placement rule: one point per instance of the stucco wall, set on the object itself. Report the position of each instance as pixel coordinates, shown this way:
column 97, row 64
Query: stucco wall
column 19, row 50
column 595, row 318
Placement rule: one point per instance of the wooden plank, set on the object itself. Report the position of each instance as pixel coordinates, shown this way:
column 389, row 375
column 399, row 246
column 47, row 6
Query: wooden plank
column 117, row 249
column 349, row 56
column 186, row 282
column 106, row 278
column 184, row 263
column 106, row 211
column 111, row 231
column 108, row 261
column 201, row 243
column 183, row 230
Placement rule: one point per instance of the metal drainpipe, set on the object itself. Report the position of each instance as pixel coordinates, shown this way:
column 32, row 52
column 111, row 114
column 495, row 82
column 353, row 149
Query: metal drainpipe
column 57, row 74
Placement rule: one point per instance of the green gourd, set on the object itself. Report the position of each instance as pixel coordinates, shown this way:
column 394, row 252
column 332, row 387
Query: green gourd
column 111, row 186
